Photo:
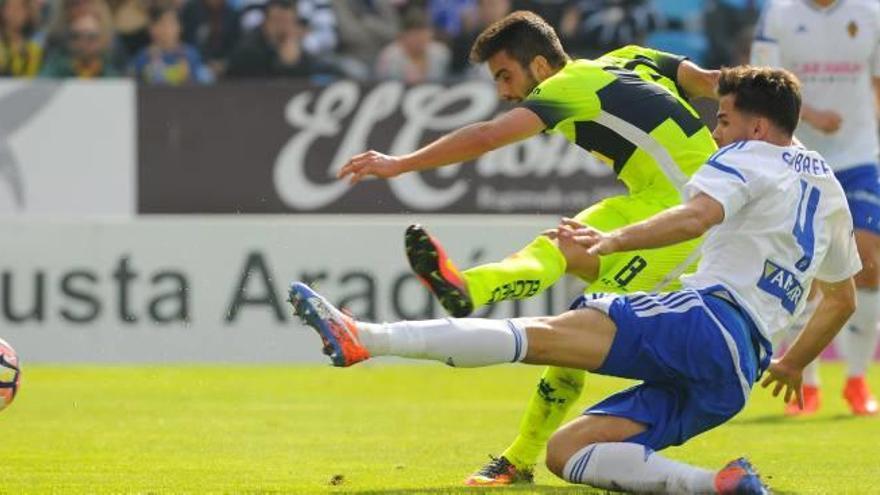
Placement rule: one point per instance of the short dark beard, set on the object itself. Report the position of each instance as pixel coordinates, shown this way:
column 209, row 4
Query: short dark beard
column 533, row 83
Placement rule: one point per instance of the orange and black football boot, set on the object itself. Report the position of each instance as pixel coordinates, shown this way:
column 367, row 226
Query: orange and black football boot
column 429, row 261
column 499, row 472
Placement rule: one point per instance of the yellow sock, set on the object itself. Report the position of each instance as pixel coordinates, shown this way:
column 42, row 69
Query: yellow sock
column 558, row 390
column 521, row 275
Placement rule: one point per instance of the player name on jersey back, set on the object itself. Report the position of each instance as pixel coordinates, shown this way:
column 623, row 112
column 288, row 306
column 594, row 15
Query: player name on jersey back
column 806, row 162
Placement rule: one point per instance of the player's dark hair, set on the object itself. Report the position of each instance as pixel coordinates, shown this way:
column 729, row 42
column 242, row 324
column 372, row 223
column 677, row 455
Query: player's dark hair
column 158, row 10
column 281, row 4
column 771, row 93
column 415, row 19
column 523, row 35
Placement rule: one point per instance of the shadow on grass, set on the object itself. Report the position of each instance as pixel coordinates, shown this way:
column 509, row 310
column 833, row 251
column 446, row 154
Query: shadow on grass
column 780, row 419
column 539, row 489
column 524, row 489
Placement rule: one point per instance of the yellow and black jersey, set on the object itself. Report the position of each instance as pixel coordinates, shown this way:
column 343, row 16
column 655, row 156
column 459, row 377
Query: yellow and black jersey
column 626, row 109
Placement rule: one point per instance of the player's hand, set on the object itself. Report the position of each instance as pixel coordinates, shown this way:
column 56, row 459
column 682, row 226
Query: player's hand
column 784, row 376
column 371, row 163
column 827, row 121
column 550, row 233
column 594, row 241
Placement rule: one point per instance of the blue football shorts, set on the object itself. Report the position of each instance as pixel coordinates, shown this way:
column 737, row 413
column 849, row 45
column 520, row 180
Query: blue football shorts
column 696, row 354
column 862, row 187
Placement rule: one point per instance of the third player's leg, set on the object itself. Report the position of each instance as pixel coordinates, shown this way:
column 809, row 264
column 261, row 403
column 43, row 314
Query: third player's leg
column 858, row 340
column 868, row 244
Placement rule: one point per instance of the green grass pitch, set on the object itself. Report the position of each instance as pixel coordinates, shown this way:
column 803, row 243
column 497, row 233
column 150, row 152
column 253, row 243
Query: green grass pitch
column 380, row 429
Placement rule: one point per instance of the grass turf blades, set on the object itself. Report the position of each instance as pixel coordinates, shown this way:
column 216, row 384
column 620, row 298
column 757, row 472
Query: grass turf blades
column 379, row 429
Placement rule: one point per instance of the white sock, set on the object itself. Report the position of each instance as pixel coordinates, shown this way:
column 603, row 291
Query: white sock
column 859, row 339
column 635, row 468
column 462, row 342
column 811, row 373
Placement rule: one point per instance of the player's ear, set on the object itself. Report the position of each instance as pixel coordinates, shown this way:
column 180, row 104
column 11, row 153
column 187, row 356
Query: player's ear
column 540, row 68
column 760, row 128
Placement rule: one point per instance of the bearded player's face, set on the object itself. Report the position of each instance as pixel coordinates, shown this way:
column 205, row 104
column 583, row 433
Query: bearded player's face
column 512, row 81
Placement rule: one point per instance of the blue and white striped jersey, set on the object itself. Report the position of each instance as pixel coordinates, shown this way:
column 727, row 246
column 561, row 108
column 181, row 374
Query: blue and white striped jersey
column 786, row 222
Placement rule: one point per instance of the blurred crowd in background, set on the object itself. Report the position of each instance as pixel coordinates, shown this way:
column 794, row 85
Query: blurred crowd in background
column 177, row 42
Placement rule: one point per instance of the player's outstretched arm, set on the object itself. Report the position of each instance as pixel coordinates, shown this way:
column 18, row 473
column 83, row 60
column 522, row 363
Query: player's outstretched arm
column 675, row 225
column 461, row 145
column 696, row 81
column 837, row 304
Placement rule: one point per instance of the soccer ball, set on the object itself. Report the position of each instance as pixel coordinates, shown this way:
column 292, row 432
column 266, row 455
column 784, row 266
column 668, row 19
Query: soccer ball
column 10, row 374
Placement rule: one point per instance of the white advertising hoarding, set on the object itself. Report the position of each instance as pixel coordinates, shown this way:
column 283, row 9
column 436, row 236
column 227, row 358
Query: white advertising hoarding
column 213, row 288
column 67, row 149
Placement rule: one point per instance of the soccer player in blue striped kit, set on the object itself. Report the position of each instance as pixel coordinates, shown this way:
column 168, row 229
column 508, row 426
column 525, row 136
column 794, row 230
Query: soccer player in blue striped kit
column 779, row 221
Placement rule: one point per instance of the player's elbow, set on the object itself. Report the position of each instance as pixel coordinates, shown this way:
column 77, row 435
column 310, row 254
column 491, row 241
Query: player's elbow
column 701, row 214
column 697, row 224
column 840, row 298
column 696, row 81
column 694, row 228
column 846, row 306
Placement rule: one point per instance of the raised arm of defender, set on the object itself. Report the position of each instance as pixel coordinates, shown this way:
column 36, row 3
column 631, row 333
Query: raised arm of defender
column 463, row 144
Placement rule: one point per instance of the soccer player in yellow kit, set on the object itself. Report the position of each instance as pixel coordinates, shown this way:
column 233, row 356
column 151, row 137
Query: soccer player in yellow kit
column 629, row 108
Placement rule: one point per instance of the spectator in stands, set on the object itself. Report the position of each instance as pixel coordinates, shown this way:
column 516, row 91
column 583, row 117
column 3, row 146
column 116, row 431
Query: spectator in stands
column 20, row 53
column 450, row 17
column 166, row 60
column 62, row 14
column 488, row 11
column 212, row 27
column 594, row 27
column 276, row 48
column 365, row 27
column 728, row 26
column 320, row 36
column 553, row 11
column 87, row 54
column 415, row 56
column 131, row 24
